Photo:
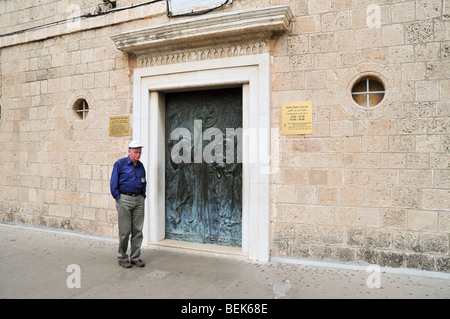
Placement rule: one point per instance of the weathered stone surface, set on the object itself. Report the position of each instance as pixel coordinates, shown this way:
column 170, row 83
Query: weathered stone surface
column 390, row 259
column 420, row 261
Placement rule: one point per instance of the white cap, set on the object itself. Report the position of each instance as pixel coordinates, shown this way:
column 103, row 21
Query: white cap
column 135, row 144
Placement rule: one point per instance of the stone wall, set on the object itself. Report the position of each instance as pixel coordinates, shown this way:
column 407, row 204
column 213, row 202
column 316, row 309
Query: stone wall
column 55, row 168
column 366, row 185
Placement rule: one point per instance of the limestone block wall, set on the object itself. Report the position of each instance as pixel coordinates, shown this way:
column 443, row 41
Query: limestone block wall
column 55, row 168
column 370, row 185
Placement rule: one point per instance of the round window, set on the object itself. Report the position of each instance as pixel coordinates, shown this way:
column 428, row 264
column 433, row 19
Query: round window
column 368, row 92
column 81, row 108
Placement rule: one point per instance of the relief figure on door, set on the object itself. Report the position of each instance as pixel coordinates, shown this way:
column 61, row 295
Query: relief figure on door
column 203, row 175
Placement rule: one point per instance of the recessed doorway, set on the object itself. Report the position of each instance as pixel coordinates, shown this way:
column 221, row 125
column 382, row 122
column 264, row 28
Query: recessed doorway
column 251, row 74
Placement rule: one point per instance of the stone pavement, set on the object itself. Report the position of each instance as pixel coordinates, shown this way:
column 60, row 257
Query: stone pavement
column 50, row 264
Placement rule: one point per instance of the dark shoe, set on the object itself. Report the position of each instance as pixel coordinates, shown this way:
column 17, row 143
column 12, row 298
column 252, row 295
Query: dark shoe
column 138, row 263
column 124, row 263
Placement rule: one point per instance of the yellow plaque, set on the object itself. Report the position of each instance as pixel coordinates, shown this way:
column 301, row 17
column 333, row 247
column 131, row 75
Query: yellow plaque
column 119, row 126
column 296, row 118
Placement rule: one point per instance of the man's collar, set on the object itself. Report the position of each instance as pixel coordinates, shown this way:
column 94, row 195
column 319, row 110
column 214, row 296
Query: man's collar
column 130, row 162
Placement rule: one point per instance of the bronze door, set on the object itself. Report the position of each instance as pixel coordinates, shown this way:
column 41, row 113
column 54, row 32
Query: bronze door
column 203, row 174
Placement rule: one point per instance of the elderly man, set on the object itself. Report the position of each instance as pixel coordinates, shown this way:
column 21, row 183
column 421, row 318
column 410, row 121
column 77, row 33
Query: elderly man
column 128, row 185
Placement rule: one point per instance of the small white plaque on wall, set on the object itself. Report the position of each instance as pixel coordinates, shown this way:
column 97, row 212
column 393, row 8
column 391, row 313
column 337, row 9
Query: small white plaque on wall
column 179, row 7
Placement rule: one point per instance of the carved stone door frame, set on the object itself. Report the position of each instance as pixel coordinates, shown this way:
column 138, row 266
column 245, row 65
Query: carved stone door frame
column 253, row 73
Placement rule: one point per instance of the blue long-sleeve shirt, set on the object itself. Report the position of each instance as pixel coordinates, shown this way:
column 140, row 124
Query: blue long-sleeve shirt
column 127, row 178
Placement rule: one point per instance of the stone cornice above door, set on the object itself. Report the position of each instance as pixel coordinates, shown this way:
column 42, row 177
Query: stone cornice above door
column 206, row 30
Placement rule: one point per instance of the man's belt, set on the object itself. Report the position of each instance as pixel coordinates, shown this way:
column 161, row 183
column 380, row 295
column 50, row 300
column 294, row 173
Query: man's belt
column 130, row 194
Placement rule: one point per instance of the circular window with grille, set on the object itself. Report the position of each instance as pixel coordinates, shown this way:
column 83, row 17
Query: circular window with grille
column 369, row 91
column 81, row 108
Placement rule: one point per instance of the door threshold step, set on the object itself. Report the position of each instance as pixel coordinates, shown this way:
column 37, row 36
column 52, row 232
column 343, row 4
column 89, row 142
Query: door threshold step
column 235, row 252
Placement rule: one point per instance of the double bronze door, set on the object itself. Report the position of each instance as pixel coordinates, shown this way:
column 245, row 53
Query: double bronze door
column 203, row 173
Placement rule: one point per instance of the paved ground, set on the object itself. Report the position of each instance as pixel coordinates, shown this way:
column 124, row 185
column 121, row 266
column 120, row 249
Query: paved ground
column 39, row 263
